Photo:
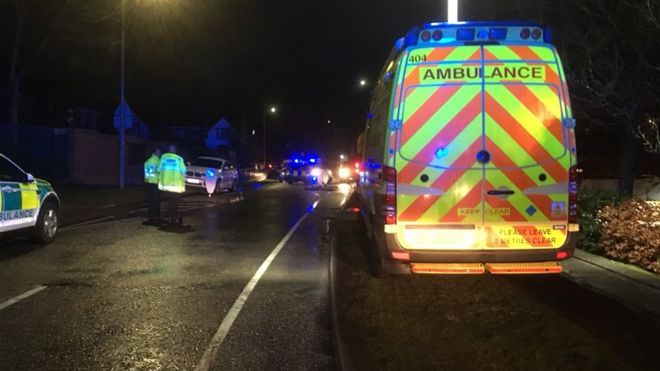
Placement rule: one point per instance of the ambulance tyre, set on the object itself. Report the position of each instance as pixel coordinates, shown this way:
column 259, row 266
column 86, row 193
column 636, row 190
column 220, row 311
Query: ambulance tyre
column 46, row 228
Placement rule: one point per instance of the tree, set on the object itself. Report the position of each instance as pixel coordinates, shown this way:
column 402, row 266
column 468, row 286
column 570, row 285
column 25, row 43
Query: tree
column 614, row 66
column 46, row 30
column 20, row 60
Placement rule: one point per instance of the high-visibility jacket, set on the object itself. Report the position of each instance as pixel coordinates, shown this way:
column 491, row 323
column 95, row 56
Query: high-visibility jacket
column 151, row 170
column 171, row 173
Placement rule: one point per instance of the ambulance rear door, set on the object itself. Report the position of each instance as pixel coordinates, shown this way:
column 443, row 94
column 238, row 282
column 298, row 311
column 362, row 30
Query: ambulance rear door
column 526, row 144
column 440, row 118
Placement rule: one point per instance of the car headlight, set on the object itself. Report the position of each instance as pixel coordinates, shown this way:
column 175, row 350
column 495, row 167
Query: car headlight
column 316, row 172
column 344, row 172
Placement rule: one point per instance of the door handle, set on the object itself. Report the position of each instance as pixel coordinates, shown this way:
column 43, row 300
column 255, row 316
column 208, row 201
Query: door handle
column 498, row 192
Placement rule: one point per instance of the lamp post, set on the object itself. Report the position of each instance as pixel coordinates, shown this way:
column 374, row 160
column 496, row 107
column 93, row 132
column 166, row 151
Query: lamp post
column 271, row 110
column 122, row 100
column 452, row 11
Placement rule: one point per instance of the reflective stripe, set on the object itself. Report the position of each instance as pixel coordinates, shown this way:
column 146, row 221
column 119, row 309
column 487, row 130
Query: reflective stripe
column 175, row 189
column 29, row 196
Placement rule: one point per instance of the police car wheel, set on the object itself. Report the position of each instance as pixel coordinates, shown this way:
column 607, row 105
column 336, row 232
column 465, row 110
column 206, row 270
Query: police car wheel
column 47, row 223
column 233, row 186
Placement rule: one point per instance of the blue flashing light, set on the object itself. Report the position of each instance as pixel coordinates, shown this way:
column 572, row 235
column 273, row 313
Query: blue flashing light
column 497, row 33
column 312, row 160
column 482, row 34
column 314, row 178
column 400, row 43
column 210, row 173
column 441, row 152
column 295, row 160
column 465, row 34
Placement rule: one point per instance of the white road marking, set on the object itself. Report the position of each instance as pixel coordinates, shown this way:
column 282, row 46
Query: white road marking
column 225, row 326
column 21, row 297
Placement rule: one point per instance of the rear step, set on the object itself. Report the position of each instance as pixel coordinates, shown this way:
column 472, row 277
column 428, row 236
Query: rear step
column 447, row 268
column 524, row 268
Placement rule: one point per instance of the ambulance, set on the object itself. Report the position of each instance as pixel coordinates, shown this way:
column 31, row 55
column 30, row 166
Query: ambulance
column 27, row 203
column 469, row 153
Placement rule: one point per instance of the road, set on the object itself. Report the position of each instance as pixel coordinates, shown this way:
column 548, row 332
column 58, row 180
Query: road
column 123, row 295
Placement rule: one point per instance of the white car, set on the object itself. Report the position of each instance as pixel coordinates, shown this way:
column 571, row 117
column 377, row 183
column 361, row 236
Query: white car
column 204, row 169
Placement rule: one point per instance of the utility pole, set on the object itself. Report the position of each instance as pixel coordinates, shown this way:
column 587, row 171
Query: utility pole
column 122, row 103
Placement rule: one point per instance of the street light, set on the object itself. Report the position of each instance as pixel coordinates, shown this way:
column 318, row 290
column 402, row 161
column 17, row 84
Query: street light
column 123, row 114
column 341, row 160
column 272, row 111
column 362, row 83
column 122, row 100
column 452, row 11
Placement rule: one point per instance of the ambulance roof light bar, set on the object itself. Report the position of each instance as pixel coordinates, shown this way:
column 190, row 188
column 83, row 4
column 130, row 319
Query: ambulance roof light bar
column 479, row 32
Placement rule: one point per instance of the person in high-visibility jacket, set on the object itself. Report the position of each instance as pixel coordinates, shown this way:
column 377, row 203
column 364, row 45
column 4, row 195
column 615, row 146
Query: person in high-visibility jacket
column 151, row 182
column 172, row 181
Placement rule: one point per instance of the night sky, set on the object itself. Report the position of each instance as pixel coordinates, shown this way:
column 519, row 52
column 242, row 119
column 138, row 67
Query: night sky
column 191, row 62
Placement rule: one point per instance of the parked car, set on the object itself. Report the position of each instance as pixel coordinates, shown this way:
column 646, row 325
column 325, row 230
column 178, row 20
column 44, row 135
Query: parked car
column 27, row 203
column 201, row 169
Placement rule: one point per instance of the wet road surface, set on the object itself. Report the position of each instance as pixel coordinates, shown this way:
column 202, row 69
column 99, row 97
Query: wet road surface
column 123, row 295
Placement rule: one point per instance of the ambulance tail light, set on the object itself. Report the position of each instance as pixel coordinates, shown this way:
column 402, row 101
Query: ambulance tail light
column 573, row 180
column 389, row 197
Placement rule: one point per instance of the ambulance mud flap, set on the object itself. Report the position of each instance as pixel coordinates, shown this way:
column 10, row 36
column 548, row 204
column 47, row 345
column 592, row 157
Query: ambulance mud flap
column 524, row 268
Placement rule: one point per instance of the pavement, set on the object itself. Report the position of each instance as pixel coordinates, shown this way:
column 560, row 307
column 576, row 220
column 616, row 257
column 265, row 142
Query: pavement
column 631, row 286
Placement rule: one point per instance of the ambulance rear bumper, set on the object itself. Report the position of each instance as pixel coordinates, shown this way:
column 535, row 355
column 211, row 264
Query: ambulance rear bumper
column 481, row 256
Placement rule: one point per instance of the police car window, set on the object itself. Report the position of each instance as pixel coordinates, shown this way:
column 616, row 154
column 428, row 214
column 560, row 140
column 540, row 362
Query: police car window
column 207, row 162
column 228, row 166
column 9, row 172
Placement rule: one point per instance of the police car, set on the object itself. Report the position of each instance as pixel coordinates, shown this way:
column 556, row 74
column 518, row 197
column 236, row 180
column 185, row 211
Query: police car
column 469, row 153
column 27, row 203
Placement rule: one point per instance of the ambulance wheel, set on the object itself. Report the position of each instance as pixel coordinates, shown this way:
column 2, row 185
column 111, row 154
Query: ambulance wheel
column 47, row 223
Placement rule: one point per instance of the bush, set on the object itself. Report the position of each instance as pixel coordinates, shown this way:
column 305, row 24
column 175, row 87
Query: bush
column 590, row 203
column 631, row 233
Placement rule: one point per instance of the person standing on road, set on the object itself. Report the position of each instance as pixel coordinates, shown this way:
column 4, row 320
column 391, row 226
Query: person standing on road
column 151, row 182
column 172, row 181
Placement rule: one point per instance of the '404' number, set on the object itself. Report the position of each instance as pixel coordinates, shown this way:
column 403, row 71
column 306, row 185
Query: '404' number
column 417, row 58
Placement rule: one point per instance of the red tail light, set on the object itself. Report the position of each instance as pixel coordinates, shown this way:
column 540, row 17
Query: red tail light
column 389, row 197
column 573, row 180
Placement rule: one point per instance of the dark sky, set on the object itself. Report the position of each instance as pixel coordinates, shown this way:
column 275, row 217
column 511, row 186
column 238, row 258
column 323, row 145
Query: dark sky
column 190, row 62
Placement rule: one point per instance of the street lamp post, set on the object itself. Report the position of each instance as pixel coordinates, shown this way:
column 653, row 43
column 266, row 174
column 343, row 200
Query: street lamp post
column 452, row 11
column 272, row 110
column 122, row 105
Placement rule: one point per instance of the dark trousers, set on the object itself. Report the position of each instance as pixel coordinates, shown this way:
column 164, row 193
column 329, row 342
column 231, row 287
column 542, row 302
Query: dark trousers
column 172, row 205
column 154, row 200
